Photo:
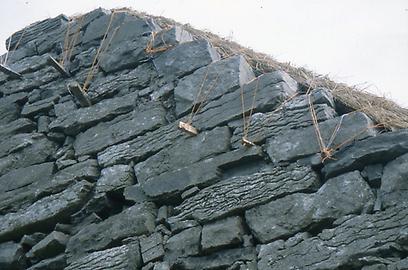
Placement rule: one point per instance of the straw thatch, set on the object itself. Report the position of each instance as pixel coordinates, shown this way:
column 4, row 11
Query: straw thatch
column 380, row 109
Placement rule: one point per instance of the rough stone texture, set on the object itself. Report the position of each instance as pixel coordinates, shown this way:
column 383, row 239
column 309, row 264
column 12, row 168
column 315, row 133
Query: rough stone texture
column 271, row 92
column 290, row 145
column 185, row 58
column 44, row 213
column 78, row 120
column 134, row 221
column 221, row 234
column 240, row 193
column 114, row 179
column 344, row 246
column 50, row 246
column 339, row 196
column 214, row 81
column 382, row 148
column 394, row 182
column 118, row 185
column 118, row 130
column 117, row 258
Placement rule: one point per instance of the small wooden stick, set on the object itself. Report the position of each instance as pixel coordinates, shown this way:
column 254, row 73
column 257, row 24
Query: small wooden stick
column 58, row 67
column 76, row 90
column 9, row 72
column 246, row 142
column 188, row 128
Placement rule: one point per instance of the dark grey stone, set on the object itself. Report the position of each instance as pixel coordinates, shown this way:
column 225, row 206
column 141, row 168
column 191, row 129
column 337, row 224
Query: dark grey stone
column 23, row 150
column 135, row 194
column 12, row 256
column 240, row 193
column 116, row 258
column 185, row 151
column 151, row 247
column 185, row 58
column 394, row 182
column 170, row 37
column 50, row 246
column 339, row 196
column 183, row 244
column 221, row 234
column 75, row 121
column 42, row 123
column 220, row 260
column 96, row 28
column 9, row 112
column 61, row 109
column 43, row 105
column 212, row 82
column 134, row 221
column 21, row 125
column 44, row 213
column 56, row 263
column 380, row 149
column 28, row 241
column 373, row 173
column 115, row 179
column 290, row 145
column 271, row 92
column 344, row 246
column 118, row 130
column 127, row 45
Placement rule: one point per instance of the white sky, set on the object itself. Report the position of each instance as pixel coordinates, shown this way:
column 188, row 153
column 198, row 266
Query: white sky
column 358, row 42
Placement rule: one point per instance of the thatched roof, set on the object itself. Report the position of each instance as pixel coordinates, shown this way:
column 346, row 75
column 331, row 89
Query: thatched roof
column 382, row 110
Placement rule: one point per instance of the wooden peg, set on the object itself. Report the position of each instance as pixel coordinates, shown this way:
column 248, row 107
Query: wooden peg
column 188, row 128
column 9, row 72
column 247, row 143
column 54, row 63
column 76, row 90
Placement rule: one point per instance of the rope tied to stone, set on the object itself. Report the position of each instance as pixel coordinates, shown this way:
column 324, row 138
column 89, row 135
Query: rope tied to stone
column 247, row 120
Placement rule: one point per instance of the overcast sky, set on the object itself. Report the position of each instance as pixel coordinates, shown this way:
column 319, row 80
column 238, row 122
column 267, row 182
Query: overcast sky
column 362, row 42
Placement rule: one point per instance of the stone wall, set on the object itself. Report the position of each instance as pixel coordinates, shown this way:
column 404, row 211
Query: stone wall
column 117, row 185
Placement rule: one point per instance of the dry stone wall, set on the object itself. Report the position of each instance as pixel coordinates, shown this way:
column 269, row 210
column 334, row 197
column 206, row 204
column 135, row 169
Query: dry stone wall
column 117, row 185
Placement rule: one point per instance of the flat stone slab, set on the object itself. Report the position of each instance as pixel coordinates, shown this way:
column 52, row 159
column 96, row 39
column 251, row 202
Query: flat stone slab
column 120, row 129
column 21, row 125
column 380, row 149
column 344, row 246
column 134, row 221
column 80, row 119
column 271, row 92
column 115, row 179
column 187, row 150
column 290, row 145
column 43, row 105
column 50, row 246
column 116, row 258
column 12, row 256
column 183, row 244
column 214, row 80
column 44, row 213
column 343, row 195
column 185, row 58
column 241, row 193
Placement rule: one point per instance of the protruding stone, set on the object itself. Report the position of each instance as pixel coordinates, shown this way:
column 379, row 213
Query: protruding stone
column 183, row 244
column 115, row 179
column 152, row 247
column 12, row 256
column 50, row 246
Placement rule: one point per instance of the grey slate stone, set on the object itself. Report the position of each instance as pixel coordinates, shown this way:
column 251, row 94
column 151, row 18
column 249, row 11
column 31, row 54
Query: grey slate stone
column 12, row 256
column 170, row 37
column 214, row 81
column 394, row 182
column 134, row 221
column 50, row 246
column 115, row 179
column 221, row 234
column 183, row 244
column 120, row 129
column 43, row 105
column 380, row 149
column 23, row 150
column 290, row 145
column 241, row 193
column 183, row 152
column 127, row 46
column 341, row 247
column 116, row 258
column 56, row 263
column 220, row 260
column 185, row 58
column 44, row 213
column 339, row 196
column 21, row 125
column 135, row 194
column 8, row 113
column 151, row 247
column 75, row 121
column 270, row 94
